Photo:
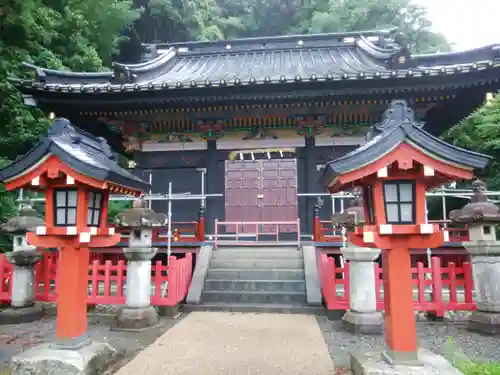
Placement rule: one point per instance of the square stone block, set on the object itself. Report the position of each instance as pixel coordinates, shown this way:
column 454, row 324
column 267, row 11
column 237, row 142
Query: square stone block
column 484, row 322
column 92, row 359
column 371, row 363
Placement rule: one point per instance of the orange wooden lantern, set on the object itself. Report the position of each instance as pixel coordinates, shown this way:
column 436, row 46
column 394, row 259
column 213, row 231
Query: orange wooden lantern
column 77, row 172
column 395, row 168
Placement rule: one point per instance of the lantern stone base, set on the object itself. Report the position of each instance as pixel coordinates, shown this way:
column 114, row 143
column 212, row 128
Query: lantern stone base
column 484, row 322
column 92, row 359
column 13, row 315
column 364, row 323
column 133, row 319
column 171, row 312
column 372, row 363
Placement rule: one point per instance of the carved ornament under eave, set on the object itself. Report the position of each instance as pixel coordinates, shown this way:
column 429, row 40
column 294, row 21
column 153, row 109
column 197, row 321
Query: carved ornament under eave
column 211, row 130
column 310, row 125
column 131, row 143
column 260, row 133
column 173, row 137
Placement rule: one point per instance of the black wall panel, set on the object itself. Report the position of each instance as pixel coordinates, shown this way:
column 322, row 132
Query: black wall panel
column 183, row 180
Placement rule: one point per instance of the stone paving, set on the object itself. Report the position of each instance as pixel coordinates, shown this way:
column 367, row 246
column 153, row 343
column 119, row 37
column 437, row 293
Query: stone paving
column 220, row 343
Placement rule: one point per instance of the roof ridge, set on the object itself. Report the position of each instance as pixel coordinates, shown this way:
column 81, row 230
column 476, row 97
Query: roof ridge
column 278, row 38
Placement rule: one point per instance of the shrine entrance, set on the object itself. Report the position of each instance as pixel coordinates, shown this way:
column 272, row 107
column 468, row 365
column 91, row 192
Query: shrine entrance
column 261, row 191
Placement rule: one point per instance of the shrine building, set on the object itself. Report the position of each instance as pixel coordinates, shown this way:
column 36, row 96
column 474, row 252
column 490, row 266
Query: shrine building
column 255, row 120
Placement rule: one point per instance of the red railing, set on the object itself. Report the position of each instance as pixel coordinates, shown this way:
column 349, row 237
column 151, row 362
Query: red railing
column 436, row 289
column 323, row 231
column 5, row 279
column 262, row 228
column 183, row 231
column 106, row 281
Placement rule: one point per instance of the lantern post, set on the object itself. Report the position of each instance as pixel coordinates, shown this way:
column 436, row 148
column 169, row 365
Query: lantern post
column 77, row 172
column 482, row 217
column 394, row 169
column 24, row 258
column 140, row 221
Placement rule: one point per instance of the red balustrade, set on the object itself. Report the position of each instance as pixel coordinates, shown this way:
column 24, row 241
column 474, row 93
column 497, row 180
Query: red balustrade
column 237, row 232
column 5, row 279
column 437, row 289
column 107, row 280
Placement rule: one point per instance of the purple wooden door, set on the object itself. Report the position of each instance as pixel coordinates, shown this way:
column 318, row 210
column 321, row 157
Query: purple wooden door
column 261, row 190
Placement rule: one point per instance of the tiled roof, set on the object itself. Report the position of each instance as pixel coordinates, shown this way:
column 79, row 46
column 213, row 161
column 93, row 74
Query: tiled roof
column 322, row 57
column 81, row 151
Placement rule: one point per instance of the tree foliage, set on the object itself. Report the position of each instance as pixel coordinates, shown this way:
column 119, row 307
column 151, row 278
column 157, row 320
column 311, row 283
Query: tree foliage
column 481, row 132
column 86, row 35
column 58, row 34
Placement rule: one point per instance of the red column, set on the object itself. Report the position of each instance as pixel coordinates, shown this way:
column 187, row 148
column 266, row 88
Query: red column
column 317, row 232
column 400, row 326
column 200, row 229
column 73, row 293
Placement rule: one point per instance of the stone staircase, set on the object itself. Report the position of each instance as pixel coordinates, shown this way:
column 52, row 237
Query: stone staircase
column 255, row 279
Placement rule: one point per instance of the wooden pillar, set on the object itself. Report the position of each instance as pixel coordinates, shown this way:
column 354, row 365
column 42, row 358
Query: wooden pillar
column 71, row 329
column 308, row 177
column 400, row 325
column 200, row 229
column 214, row 185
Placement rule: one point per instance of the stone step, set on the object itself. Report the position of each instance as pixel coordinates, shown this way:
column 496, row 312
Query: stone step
column 258, row 248
column 275, row 256
column 250, row 297
column 256, row 285
column 256, row 308
column 232, row 263
column 258, row 252
column 255, row 274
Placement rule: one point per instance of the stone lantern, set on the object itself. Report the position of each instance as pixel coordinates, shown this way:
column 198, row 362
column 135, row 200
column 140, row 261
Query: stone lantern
column 24, row 257
column 362, row 316
column 140, row 220
column 481, row 217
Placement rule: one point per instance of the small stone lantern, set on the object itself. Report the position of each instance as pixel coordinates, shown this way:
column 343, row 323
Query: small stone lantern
column 140, row 220
column 24, row 257
column 362, row 316
column 481, row 216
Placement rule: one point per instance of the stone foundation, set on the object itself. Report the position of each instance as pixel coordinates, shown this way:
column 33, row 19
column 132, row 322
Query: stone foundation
column 12, row 315
column 364, row 323
column 484, row 322
column 371, row 363
column 136, row 318
column 169, row 311
column 92, row 359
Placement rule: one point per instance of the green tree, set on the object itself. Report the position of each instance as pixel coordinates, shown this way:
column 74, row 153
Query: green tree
column 481, row 132
column 59, row 34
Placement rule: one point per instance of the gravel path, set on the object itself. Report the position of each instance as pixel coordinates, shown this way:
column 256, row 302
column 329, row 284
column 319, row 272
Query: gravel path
column 16, row 338
column 445, row 338
column 224, row 343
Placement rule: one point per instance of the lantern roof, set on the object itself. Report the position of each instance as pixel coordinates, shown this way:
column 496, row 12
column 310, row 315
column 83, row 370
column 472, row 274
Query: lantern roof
column 27, row 221
column 353, row 215
column 140, row 216
column 479, row 210
column 397, row 128
column 82, row 152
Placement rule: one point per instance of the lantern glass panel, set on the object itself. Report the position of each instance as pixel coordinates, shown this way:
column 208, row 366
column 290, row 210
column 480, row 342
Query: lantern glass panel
column 94, row 208
column 399, row 202
column 65, row 204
